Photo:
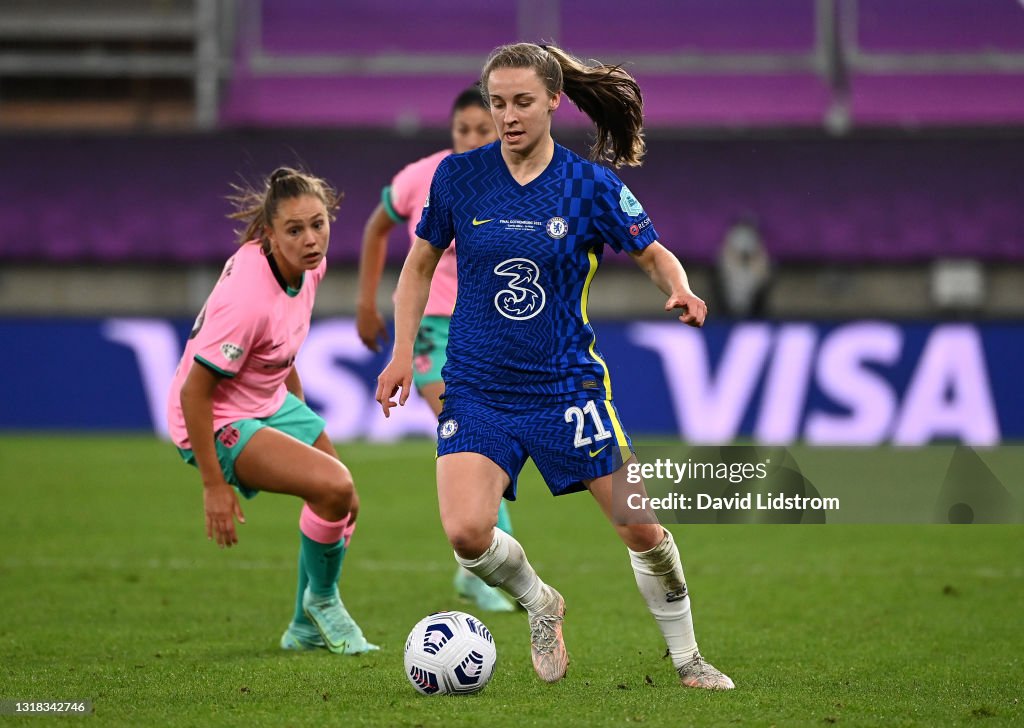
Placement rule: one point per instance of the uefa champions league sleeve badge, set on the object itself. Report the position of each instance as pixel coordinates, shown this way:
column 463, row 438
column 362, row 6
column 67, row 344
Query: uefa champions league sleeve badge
column 629, row 204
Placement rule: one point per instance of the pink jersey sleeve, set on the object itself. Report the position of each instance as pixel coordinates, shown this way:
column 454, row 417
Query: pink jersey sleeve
column 444, row 286
column 227, row 332
column 410, row 186
column 408, row 192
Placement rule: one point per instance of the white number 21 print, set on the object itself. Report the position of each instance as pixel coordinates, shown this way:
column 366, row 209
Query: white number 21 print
column 579, row 416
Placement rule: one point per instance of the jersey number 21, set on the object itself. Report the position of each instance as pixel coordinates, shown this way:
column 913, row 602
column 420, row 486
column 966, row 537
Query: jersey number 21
column 579, row 416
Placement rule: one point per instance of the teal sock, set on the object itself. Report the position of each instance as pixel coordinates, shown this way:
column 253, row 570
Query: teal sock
column 504, row 519
column 322, row 564
column 300, row 618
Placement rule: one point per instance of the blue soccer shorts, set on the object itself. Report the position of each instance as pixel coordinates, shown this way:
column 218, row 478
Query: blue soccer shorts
column 570, row 441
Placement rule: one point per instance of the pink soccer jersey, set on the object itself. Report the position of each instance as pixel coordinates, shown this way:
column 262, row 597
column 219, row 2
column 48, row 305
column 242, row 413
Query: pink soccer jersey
column 250, row 330
column 409, row 191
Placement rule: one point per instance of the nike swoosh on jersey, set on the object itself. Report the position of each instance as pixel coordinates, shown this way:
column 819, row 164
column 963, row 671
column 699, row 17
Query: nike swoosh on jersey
column 481, row 222
column 595, row 453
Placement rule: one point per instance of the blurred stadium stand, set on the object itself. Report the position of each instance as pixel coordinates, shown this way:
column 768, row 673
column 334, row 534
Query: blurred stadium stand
column 868, row 138
column 383, row 65
column 934, row 61
column 113, row 63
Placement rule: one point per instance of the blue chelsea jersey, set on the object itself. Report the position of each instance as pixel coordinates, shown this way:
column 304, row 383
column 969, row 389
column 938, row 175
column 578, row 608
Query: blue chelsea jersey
column 526, row 257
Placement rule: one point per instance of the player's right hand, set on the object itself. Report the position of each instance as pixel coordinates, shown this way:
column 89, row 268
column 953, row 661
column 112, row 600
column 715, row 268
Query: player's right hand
column 371, row 328
column 222, row 508
column 396, row 379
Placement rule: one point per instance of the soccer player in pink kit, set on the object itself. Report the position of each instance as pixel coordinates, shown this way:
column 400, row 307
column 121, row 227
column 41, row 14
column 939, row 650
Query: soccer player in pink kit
column 401, row 203
column 236, row 411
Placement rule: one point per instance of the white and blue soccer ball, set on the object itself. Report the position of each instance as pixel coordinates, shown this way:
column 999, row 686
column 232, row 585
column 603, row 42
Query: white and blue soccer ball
column 449, row 653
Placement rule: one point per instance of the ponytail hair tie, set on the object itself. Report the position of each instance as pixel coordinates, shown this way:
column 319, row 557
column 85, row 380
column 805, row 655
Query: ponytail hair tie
column 280, row 173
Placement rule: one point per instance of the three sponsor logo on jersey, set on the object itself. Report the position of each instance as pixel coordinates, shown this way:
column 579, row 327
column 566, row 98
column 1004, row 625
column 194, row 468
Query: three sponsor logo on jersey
column 524, row 297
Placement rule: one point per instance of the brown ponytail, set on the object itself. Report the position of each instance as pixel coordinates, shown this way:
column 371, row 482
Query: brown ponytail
column 606, row 94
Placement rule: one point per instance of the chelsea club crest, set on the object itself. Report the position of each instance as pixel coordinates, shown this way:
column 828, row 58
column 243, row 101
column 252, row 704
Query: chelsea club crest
column 557, row 227
column 449, row 428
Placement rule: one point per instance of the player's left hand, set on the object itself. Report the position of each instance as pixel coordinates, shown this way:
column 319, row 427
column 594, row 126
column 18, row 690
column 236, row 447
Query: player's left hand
column 396, row 379
column 695, row 310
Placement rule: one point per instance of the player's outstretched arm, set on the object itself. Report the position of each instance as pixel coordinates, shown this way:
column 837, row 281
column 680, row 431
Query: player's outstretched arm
column 219, row 499
column 369, row 322
column 410, row 300
column 665, row 270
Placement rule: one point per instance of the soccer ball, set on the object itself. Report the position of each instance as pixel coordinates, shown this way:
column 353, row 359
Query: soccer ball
column 449, row 653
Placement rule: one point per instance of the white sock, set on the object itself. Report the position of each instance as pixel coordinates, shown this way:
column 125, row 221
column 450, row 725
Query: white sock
column 659, row 576
column 504, row 565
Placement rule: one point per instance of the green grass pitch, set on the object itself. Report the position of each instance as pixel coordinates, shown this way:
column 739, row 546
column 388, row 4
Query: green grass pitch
column 110, row 592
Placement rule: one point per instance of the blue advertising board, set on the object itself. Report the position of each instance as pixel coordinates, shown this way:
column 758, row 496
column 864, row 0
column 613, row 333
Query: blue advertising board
column 850, row 383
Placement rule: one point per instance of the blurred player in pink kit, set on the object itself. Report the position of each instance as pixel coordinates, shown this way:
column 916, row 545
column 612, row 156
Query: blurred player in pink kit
column 401, row 203
column 236, row 410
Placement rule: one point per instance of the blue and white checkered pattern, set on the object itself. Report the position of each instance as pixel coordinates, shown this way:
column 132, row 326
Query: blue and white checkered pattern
column 520, row 330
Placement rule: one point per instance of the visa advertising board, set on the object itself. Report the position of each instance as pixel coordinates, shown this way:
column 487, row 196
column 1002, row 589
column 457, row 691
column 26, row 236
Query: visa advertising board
column 850, row 383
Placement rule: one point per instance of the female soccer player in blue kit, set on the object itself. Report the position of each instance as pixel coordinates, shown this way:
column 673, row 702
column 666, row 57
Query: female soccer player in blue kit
column 524, row 377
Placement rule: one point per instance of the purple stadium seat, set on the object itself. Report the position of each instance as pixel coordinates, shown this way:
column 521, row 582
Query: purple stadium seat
column 940, row 27
column 147, row 199
column 404, row 101
column 409, row 98
column 732, row 100
column 667, row 26
column 309, row 27
column 945, row 26
column 915, row 99
column 375, row 93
